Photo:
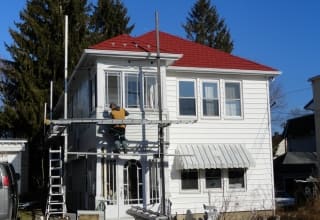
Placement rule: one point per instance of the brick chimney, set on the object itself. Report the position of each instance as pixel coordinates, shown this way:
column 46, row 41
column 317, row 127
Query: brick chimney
column 316, row 108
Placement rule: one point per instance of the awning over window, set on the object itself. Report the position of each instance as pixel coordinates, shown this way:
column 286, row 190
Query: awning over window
column 206, row 156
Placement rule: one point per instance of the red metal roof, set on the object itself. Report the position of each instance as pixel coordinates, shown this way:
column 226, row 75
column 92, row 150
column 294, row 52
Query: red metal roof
column 194, row 54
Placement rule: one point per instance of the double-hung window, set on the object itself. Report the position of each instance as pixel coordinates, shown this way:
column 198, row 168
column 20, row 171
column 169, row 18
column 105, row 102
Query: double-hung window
column 113, row 88
column 210, row 99
column 150, row 93
column 213, row 178
column 187, row 98
column 132, row 90
column 189, row 179
column 233, row 99
column 236, row 178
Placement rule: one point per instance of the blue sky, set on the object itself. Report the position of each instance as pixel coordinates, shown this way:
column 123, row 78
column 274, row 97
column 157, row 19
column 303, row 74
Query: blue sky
column 284, row 34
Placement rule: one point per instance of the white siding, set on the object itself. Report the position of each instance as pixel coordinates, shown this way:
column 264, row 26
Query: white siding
column 252, row 130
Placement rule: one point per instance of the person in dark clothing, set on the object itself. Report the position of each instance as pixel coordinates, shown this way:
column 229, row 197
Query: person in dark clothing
column 119, row 130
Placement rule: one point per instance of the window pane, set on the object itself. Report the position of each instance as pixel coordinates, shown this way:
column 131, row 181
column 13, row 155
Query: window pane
column 233, row 90
column 210, row 107
column 132, row 91
column 150, row 92
column 236, row 178
column 210, row 90
column 187, row 101
column 113, row 88
column 189, row 179
column 186, row 89
column 213, row 178
column 187, row 106
column 233, row 99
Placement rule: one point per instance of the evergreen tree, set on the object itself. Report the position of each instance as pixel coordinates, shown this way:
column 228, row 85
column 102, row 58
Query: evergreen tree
column 38, row 57
column 204, row 26
column 109, row 19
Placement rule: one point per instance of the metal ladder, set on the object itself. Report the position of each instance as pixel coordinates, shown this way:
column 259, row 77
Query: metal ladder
column 56, row 203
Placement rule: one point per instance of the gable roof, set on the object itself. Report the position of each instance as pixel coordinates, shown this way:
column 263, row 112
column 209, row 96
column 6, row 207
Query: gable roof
column 194, row 54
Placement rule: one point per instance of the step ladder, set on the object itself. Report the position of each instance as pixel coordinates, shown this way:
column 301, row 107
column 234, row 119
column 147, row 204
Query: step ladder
column 56, row 203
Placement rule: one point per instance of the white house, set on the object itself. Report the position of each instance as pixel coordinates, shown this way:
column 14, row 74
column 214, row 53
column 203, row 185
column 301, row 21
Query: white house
column 224, row 159
column 11, row 151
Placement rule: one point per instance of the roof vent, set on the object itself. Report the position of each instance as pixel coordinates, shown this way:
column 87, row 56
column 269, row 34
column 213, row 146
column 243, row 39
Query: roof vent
column 124, row 44
column 148, row 45
column 113, row 43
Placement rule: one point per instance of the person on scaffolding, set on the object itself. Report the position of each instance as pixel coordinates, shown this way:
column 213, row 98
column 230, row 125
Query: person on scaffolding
column 119, row 130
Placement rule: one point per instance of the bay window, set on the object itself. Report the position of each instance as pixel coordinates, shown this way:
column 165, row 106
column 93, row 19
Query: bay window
column 150, row 93
column 113, row 89
column 132, row 90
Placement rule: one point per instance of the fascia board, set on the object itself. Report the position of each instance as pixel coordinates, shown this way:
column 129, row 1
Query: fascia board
column 223, row 71
column 132, row 54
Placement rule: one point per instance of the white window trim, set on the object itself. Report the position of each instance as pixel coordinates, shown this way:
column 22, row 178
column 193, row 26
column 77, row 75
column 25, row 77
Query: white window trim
column 201, row 98
column 191, row 191
column 213, row 189
column 113, row 72
column 244, row 189
column 195, row 97
column 225, row 99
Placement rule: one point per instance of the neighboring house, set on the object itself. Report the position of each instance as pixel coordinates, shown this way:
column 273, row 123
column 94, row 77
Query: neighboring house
column 13, row 151
column 223, row 159
column 300, row 158
column 278, row 145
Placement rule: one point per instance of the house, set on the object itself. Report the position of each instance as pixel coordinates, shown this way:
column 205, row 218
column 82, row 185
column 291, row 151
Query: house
column 223, row 159
column 12, row 151
column 300, row 159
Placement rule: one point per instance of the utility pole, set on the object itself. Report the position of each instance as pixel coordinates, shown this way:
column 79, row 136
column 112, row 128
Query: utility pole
column 160, row 126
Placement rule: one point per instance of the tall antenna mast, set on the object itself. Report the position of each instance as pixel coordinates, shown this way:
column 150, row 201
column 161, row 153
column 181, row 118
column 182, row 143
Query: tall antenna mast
column 160, row 126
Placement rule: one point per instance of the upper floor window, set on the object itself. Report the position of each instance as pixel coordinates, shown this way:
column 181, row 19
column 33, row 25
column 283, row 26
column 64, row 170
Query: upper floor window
column 150, row 93
column 113, row 88
column 233, row 98
column 92, row 93
column 126, row 89
column 187, row 99
column 210, row 99
column 132, row 91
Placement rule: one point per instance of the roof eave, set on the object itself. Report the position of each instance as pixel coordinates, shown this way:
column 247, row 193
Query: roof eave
column 269, row 73
column 170, row 58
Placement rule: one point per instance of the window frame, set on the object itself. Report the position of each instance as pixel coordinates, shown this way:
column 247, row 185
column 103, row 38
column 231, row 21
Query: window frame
column 120, row 93
column 203, row 81
column 244, row 179
column 146, row 75
column 195, row 98
column 240, row 99
column 93, row 93
column 198, row 181
column 124, row 90
column 205, row 180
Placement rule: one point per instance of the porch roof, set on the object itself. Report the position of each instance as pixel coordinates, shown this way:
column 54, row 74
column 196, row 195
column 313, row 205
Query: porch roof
column 212, row 156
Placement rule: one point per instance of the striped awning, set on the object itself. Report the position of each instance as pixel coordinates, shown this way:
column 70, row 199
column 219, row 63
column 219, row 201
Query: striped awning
column 212, row 156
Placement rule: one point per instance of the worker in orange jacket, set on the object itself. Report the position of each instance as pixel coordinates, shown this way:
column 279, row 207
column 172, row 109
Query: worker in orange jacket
column 119, row 130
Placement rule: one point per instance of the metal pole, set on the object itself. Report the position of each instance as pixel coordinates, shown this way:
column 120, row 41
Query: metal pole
column 65, row 159
column 160, row 126
column 51, row 98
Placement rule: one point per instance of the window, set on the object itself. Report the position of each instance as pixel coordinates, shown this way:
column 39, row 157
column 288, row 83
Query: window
column 236, row 178
column 132, row 90
column 233, row 99
column 109, row 175
column 189, row 179
column 154, row 181
column 92, row 93
column 132, row 178
column 210, row 99
column 187, row 100
column 150, row 91
column 213, row 178
column 113, row 94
